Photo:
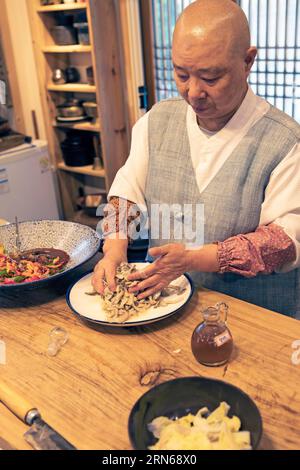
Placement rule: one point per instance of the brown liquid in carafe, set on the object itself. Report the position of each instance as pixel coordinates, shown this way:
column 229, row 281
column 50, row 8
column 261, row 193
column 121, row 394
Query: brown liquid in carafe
column 212, row 343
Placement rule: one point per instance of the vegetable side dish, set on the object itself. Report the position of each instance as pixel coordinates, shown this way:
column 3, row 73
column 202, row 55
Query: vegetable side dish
column 31, row 265
column 196, row 432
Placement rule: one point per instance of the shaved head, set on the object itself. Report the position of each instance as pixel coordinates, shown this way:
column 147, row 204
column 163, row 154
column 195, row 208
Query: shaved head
column 212, row 59
column 215, row 19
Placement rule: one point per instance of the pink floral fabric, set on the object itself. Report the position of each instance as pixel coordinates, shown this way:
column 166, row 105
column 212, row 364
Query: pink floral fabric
column 259, row 252
column 116, row 220
column 262, row 251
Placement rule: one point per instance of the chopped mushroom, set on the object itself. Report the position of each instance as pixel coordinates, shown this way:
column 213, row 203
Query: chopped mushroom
column 122, row 304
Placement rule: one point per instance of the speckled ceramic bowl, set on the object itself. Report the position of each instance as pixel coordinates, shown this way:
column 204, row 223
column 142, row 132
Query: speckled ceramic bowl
column 79, row 241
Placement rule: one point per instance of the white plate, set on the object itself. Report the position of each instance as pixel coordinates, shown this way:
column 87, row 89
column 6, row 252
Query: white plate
column 90, row 307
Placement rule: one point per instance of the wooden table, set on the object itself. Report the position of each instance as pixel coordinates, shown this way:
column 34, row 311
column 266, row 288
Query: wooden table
column 87, row 391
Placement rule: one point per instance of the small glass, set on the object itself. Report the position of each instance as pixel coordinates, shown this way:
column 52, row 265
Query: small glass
column 57, row 338
column 212, row 342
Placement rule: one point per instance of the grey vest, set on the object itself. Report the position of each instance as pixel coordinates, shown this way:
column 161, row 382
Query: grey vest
column 232, row 200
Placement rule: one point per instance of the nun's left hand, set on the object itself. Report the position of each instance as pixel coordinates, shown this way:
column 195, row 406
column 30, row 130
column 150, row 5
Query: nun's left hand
column 172, row 261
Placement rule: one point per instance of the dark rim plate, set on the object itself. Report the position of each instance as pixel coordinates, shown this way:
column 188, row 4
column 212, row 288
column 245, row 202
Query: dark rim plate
column 126, row 324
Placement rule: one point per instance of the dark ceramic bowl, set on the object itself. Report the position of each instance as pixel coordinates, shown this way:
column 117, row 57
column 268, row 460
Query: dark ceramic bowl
column 179, row 397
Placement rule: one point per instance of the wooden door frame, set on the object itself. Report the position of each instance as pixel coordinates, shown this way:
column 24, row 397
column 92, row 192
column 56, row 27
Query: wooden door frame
column 14, row 84
column 148, row 48
column 108, row 70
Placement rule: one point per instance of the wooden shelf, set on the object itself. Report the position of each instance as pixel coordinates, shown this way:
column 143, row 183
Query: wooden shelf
column 78, row 48
column 80, row 126
column 62, row 7
column 103, row 18
column 72, row 87
column 82, row 170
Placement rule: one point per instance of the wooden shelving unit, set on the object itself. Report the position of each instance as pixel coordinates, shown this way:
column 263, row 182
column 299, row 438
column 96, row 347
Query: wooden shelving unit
column 80, row 126
column 66, row 49
column 72, row 88
column 82, row 170
column 61, row 8
column 104, row 55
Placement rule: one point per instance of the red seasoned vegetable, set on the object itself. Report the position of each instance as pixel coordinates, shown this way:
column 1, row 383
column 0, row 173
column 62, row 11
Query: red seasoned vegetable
column 31, row 265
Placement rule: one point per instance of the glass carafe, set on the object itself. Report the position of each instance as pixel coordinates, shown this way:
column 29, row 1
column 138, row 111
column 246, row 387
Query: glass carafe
column 212, row 342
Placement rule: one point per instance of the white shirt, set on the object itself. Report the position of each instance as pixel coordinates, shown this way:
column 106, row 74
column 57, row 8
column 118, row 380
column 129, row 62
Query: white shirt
column 282, row 195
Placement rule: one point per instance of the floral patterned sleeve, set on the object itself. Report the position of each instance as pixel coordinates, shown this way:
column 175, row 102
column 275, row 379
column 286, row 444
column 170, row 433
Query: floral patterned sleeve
column 259, row 252
column 118, row 215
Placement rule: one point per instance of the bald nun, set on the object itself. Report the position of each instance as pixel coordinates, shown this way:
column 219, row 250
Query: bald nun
column 211, row 168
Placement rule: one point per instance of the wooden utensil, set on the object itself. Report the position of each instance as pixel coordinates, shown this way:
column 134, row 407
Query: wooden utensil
column 40, row 435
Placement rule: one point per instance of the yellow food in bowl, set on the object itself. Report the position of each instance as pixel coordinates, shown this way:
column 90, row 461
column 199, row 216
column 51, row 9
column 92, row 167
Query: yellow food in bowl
column 196, row 432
